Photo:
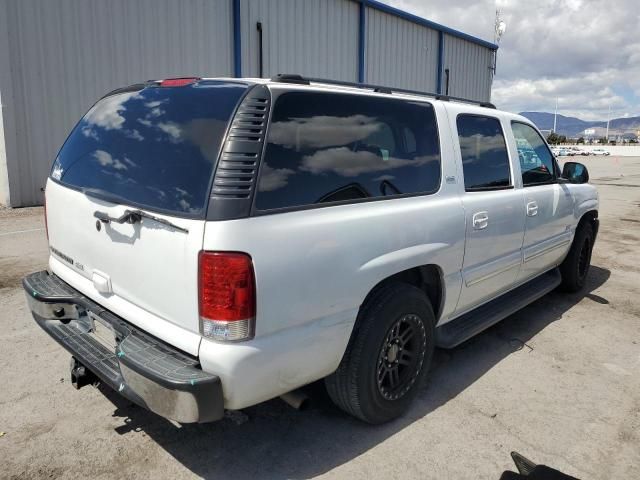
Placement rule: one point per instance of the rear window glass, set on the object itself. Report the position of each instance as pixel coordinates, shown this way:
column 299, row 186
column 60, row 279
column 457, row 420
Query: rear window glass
column 485, row 162
column 153, row 148
column 331, row 147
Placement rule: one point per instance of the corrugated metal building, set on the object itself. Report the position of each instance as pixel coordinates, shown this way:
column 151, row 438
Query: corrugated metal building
column 58, row 57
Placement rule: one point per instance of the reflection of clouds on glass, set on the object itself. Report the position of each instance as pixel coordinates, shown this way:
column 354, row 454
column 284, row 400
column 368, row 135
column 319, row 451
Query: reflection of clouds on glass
column 155, row 103
column 134, row 134
column 347, row 163
column 273, row 178
column 322, row 131
column 154, row 108
column 106, row 160
column 120, row 177
column 475, row 146
column 181, row 196
column 145, row 122
column 57, row 170
column 106, row 113
column 157, row 191
column 90, row 133
column 172, row 129
column 156, row 112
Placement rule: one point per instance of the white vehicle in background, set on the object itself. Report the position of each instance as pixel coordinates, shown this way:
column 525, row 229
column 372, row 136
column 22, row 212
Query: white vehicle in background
column 600, row 151
column 215, row 243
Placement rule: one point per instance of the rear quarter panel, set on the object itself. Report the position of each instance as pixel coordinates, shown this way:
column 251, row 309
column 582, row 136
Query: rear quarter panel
column 314, row 269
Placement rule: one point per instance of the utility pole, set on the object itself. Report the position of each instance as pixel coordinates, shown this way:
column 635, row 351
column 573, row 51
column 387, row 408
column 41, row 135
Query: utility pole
column 498, row 31
column 608, row 119
column 555, row 116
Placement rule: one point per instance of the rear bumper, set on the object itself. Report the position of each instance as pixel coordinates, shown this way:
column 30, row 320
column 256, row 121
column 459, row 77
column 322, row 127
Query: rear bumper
column 141, row 368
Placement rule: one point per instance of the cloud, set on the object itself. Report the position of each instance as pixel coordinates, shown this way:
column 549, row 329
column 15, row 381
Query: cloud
column 347, row 163
column 477, row 145
column 322, row 131
column 273, row 178
column 106, row 113
column 90, row 133
column 172, row 129
column 134, row 134
column 586, row 53
column 106, row 160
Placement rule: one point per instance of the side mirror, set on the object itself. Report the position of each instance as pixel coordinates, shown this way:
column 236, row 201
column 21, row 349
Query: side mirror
column 574, row 172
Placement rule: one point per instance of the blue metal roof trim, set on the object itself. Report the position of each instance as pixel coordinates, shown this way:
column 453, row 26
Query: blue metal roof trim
column 361, row 42
column 237, row 39
column 383, row 7
column 440, row 61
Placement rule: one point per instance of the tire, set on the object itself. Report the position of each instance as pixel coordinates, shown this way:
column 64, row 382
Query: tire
column 575, row 267
column 388, row 355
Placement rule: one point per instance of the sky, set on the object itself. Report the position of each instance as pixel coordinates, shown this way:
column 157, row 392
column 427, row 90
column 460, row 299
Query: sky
column 586, row 53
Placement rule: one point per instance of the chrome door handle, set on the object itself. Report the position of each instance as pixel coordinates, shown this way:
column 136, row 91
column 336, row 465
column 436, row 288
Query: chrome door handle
column 532, row 209
column 480, row 220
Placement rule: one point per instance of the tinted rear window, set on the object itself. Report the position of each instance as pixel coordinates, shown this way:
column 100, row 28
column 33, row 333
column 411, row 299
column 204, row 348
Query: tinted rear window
column 485, row 161
column 153, row 148
column 330, row 147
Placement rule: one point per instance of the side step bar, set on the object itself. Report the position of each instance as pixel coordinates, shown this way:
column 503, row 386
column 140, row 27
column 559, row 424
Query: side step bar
column 453, row 333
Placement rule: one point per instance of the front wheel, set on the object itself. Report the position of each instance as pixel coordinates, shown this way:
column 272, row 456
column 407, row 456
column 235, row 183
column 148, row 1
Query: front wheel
column 575, row 267
column 387, row 357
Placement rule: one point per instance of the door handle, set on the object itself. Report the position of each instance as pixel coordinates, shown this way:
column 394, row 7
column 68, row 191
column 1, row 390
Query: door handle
column 480, row 220
column 532, row 209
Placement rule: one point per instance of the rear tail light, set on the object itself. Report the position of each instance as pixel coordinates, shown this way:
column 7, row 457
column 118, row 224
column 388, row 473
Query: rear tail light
column 178, row 82
column 227, row 295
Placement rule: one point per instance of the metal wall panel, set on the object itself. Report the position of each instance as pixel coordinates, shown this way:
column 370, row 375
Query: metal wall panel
column 4, row 177
column 400, row 53
column 65, row 54
column 470, row 72
column 316, row 38
column 58, row 57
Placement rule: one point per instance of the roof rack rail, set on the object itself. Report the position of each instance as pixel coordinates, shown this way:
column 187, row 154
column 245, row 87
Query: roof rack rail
column 299, row 79
column 290, row 78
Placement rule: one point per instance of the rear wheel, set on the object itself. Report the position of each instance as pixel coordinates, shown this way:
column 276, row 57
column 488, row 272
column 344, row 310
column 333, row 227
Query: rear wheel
column 387, row 357
column 575, row 267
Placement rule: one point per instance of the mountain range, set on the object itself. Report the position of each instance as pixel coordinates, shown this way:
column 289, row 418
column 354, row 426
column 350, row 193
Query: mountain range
column 574, row 127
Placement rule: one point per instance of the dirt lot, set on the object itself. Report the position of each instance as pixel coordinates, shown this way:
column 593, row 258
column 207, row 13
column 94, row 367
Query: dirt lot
column 558, row 381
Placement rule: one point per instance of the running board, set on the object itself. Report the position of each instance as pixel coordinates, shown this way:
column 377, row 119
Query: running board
column 453, row 333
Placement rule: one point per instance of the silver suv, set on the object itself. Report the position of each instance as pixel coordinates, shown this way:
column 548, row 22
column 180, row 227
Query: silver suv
column 215, row 243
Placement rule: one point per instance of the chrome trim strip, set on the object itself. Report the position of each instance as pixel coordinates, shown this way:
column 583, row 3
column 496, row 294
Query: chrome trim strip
column 533, row 256
column 492, row 274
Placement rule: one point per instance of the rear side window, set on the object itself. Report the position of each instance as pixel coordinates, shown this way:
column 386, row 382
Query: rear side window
column 536, row 162
column 331, row 147
column 485, row 161
column 153, row 148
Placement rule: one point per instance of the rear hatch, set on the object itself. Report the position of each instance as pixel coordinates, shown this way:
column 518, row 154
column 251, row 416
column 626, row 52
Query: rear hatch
column 151, row 150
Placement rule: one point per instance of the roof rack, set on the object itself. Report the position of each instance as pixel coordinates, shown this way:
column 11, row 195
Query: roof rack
column 300, row 80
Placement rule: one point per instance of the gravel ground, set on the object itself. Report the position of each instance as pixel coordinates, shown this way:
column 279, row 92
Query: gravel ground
column 559, row 382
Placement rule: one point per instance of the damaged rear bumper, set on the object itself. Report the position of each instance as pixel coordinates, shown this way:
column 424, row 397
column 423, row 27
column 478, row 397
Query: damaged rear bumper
column 140, row 367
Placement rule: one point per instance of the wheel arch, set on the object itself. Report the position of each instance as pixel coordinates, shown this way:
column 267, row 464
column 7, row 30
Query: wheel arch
column 428, row 278
column 590, row 217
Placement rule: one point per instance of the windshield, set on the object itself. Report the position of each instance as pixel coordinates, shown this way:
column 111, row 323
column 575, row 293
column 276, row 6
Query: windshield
column 155, row 147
